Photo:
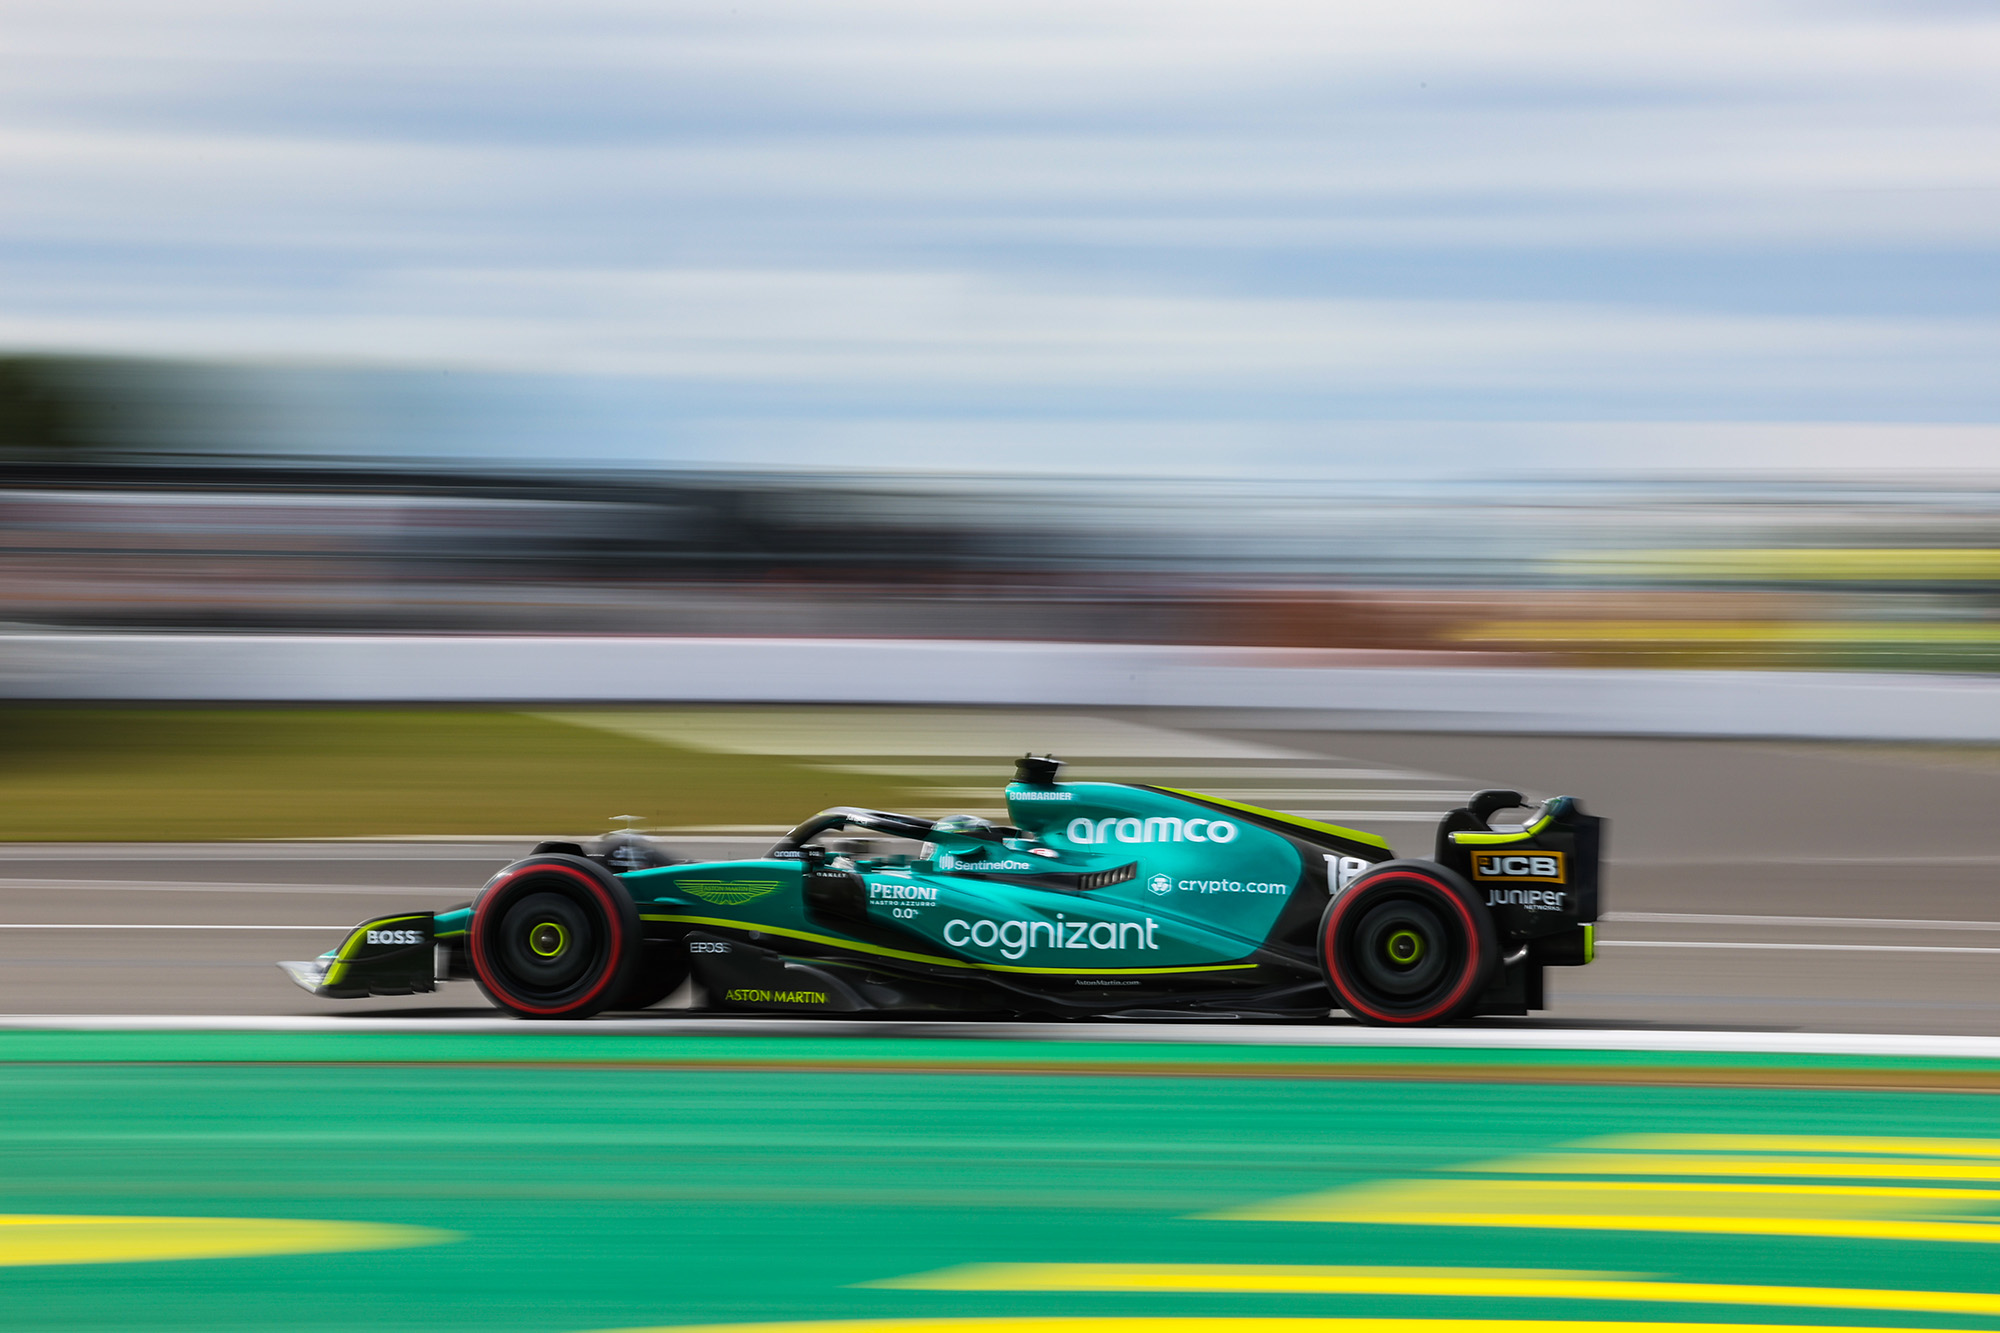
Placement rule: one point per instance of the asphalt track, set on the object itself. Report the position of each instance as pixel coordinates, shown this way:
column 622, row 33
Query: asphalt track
column 1681, row 1144
column 1790, row 887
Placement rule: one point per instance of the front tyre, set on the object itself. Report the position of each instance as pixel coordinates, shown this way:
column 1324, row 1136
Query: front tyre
column 554, row 937
column 1408, row 943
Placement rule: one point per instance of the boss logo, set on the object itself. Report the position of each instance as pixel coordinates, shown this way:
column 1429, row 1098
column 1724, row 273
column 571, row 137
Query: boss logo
column 395, row 937
column 1545, row 867
column 707, row 946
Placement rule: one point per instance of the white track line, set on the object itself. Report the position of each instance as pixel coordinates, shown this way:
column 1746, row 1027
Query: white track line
column 210, row 886
column 1751, row 859
column 1373, row 816
column 1612, row 944
column 1795, row 948
column 109, row 925
column 360, row 850
column 1158, row 775
column 1863, row 922
column 1336, row 1033
column 103, row 857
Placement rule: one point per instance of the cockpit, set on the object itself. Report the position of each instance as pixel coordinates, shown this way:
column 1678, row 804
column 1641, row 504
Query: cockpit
column 953, row 841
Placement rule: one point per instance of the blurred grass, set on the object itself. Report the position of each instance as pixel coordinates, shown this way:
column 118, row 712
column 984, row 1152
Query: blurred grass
column 170, row 774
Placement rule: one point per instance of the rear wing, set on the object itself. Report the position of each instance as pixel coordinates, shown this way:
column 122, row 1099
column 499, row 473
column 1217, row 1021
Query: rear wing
column 1539, row 879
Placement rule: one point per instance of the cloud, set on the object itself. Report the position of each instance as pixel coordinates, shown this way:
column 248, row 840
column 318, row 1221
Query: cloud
column 1239, row 211
column 956, row 331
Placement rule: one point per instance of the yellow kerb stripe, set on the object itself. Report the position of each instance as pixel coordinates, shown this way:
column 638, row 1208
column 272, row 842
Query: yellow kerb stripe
column 1471, row 1283
column 66, row 1239
column 1830, row 1227
column 1239, row 1324
column 1653, row 1164
column 1878, row 1212
column 1798, row 1143
column 1582, row 1189
column 1544, row 1191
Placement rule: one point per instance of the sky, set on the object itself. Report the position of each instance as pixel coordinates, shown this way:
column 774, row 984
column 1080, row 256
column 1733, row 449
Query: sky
column 1254, row 237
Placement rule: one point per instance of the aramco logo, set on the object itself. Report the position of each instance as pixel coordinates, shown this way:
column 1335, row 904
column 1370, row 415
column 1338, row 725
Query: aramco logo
column 1156, row 829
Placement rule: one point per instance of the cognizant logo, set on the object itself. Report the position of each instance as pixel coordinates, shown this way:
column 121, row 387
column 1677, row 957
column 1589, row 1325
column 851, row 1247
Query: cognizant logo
column 1159, row 828
column 1015, row 938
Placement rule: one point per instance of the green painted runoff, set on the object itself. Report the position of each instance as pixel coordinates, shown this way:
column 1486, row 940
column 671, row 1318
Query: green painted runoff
column 577, row 1197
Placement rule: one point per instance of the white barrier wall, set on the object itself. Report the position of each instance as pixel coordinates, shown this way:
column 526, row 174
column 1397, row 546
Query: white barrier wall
column 415, row 668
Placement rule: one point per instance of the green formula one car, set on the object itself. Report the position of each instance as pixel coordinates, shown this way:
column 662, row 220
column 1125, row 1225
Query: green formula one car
column 1097, row 898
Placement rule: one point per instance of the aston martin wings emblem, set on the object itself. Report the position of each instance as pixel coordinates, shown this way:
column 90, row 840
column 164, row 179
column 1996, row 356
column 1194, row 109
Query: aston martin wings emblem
column 729, row 892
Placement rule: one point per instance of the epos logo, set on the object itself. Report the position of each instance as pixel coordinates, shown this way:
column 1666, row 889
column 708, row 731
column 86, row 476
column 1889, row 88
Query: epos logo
column 1544, row 867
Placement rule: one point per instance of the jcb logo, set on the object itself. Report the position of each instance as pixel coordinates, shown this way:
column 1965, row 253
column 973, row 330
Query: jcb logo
column 1545, row 867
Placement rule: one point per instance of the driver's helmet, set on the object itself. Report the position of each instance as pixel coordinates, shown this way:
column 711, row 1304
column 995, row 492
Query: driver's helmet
column 964, row 826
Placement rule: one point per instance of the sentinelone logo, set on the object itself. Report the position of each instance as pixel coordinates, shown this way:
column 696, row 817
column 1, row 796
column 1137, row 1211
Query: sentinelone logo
column 1159, row 828
column 950, row 862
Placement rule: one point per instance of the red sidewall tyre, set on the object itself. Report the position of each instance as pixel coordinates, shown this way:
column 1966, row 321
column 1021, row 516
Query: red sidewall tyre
column 1408, row 943
column 554, row 937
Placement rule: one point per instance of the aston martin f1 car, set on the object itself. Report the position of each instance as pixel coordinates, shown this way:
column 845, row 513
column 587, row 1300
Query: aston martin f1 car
column 1095, row 898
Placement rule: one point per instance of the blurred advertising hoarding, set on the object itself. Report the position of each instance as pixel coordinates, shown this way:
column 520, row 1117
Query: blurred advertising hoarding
column 113, row 517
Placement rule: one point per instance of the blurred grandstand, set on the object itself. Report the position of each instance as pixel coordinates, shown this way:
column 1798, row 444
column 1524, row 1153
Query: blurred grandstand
column 105, row 525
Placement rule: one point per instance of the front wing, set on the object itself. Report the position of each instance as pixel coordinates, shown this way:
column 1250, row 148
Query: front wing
column 391, row 955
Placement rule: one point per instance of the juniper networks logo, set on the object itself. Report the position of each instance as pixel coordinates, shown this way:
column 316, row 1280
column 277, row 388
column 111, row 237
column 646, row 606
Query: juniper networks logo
column 1160, row 884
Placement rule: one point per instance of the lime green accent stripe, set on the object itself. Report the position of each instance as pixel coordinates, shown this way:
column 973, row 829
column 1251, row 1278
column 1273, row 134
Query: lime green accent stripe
column 1296, row 821
column 937, row 961
column 355, row 939
column 1589, row 942
column 1491, row 839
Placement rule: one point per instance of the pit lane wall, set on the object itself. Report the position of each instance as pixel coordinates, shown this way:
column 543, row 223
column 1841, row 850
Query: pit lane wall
column 1339, row 689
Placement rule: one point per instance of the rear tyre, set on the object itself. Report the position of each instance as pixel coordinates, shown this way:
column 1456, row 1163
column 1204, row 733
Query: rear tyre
column 554, row 937
column 1408, row 943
